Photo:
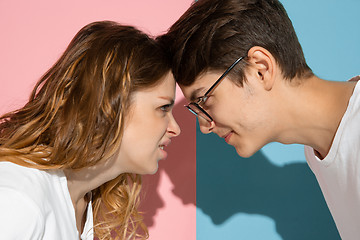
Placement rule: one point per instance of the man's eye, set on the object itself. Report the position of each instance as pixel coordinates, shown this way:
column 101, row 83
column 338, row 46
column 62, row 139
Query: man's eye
column 204, row 100
column 201, row 100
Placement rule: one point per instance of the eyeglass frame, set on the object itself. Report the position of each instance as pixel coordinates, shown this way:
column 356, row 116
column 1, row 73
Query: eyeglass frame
column 203, row 98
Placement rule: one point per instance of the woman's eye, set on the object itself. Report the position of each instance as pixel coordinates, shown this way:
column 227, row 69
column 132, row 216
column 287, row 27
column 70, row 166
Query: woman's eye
column 166, row 108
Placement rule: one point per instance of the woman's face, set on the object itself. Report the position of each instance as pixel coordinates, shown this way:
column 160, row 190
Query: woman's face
column 149, row 128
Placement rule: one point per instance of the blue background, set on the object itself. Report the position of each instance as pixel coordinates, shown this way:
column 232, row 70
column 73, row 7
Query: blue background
column 274, row 194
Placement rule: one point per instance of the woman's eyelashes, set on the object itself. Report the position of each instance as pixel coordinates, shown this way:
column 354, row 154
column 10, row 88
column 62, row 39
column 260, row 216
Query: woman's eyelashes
column 166, row 108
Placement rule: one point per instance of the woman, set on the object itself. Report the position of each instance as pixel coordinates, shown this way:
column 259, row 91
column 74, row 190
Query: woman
column 99, row 118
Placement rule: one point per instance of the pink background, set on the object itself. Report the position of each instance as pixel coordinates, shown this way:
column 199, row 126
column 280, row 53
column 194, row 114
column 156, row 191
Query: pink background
column 35, row 33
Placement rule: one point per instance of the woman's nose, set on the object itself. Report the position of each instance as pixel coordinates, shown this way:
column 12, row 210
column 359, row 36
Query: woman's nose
column 173, row 127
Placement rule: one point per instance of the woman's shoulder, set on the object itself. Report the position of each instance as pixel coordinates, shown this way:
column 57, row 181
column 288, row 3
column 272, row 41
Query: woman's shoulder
column 14, row 175
column 17, row 203
column 17, row 211
column 38, row 197
column 32, row 183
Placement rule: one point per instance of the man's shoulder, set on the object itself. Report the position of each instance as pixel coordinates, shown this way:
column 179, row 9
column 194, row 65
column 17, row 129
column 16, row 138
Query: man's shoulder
column 355, row 79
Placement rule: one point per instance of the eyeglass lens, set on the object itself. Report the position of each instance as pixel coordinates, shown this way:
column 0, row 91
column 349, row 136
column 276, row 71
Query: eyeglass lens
column 199, row 112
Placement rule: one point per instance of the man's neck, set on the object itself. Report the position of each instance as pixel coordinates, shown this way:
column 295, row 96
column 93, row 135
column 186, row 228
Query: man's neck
column 313, row 111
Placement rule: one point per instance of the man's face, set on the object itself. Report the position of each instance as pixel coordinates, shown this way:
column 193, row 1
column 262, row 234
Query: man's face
column 242, row 115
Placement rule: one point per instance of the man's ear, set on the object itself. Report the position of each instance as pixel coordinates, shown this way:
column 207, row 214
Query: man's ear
column 264, row 64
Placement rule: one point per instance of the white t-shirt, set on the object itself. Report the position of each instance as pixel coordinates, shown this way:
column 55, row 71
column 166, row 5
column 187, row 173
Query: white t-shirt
column 338, row 173
column 36, row 204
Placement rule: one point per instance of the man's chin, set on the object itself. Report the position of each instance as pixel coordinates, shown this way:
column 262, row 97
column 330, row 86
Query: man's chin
column 245, row 152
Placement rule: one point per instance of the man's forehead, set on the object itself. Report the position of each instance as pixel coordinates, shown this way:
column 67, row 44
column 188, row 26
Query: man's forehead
column 192, row 92
column 199, row 86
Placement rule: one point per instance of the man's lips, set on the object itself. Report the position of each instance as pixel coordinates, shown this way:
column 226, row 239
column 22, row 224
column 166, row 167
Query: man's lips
column 227, row 136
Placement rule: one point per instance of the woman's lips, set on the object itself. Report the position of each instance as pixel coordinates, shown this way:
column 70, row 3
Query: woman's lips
column 162, row 146
column 165, row 143
column 163, row 153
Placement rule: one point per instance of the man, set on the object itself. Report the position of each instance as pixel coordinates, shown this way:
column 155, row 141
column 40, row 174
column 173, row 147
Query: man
column 241, row 66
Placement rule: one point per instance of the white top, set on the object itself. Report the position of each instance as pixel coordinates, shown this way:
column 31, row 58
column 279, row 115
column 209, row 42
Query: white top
column 338, row 173
column 36, row 204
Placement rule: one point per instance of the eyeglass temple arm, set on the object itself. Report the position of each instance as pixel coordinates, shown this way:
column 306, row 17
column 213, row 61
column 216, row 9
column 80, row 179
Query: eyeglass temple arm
column 222, row 76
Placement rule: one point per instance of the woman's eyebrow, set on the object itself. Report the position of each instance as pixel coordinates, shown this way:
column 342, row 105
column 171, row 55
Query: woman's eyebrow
column 170, row 99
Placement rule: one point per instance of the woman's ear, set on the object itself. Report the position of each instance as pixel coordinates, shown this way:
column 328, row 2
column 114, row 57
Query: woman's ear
column 264, row 64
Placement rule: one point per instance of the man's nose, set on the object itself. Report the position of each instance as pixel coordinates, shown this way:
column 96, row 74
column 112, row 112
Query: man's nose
column 206, row 126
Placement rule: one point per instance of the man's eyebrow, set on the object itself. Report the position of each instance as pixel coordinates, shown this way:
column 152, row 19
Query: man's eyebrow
column 195, row 93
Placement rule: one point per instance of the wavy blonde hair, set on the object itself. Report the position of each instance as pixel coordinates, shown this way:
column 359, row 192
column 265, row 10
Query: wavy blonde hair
column 75, row 117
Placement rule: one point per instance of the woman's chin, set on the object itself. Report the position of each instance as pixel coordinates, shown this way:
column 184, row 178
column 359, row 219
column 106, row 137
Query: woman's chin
column 151, row 170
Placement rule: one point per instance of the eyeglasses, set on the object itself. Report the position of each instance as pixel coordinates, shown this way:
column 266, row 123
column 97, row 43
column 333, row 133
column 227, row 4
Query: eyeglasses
column 194, row 107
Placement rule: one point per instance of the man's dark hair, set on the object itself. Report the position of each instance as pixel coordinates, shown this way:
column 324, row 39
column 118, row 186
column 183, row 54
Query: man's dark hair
column 212, row 34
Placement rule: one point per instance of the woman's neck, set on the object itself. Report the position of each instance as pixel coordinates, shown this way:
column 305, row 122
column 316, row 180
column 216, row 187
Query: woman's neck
column 83, row 181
